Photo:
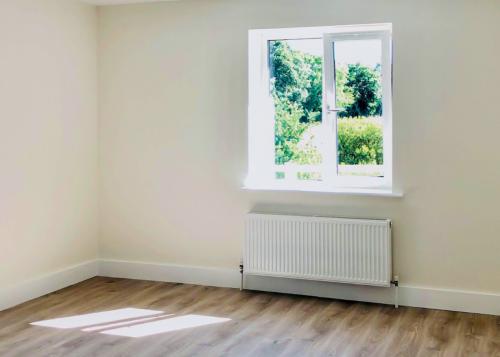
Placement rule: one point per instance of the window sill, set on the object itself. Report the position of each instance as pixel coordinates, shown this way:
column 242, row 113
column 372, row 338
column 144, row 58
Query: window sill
column 376, row 192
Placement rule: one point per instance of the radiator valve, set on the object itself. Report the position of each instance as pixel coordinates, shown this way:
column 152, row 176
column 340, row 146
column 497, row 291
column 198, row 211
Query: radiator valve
column 395, row 282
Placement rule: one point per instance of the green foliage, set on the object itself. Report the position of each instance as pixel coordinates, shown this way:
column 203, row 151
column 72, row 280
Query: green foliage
column 363, row 85
column 288, row 130
column 344, row 96
column 360, row 141
column 298, row 79
column 296, row 86
column 288, row 135
column 297, row 91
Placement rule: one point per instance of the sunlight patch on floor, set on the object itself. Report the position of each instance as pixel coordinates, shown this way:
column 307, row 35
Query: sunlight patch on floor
column 167, row 325
column 96, row 318
column 131, row 322
column 124, row 323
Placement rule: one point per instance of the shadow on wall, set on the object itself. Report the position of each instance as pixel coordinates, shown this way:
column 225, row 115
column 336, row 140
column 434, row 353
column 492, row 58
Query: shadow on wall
column 337, row 211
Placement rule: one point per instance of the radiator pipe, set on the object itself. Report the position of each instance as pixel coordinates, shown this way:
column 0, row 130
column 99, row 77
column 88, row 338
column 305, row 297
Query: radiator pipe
column 395, row 282
column 241, row 272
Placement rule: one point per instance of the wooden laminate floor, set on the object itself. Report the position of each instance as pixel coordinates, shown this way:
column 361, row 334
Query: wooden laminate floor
column 193, row 320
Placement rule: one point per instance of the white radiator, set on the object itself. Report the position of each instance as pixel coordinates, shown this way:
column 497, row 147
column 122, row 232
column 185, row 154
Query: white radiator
column 356, row 251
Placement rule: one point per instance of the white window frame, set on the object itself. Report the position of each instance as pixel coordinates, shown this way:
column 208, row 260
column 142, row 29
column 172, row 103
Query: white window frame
column 261, row 165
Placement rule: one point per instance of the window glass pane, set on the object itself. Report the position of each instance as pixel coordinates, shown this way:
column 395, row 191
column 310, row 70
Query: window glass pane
column 296, row 80
column 358, row 93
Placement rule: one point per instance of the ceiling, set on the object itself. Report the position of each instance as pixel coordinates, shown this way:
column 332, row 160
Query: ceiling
column 116, row 2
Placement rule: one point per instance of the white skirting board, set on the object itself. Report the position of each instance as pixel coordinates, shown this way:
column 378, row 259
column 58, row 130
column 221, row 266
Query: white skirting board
column 443, row 299
column 430, row 298
column 225, row 278
column 45, row 284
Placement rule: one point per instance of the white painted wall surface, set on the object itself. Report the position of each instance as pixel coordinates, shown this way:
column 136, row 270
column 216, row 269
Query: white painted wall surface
column 173, row 94
column 48, row 138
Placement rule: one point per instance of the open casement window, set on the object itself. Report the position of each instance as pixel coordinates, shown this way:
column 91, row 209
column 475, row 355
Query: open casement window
column 320, row 111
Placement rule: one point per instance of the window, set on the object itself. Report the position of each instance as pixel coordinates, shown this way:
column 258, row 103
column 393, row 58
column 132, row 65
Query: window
column 320, row 110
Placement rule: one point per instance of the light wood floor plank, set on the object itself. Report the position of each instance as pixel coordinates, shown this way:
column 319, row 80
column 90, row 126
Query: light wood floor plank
column 260, row 324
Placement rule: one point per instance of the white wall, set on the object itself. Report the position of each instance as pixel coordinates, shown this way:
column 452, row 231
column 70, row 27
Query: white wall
column 173, row 82
column 48, row 138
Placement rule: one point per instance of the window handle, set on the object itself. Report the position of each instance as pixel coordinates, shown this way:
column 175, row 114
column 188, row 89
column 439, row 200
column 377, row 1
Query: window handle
column 334, row 110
